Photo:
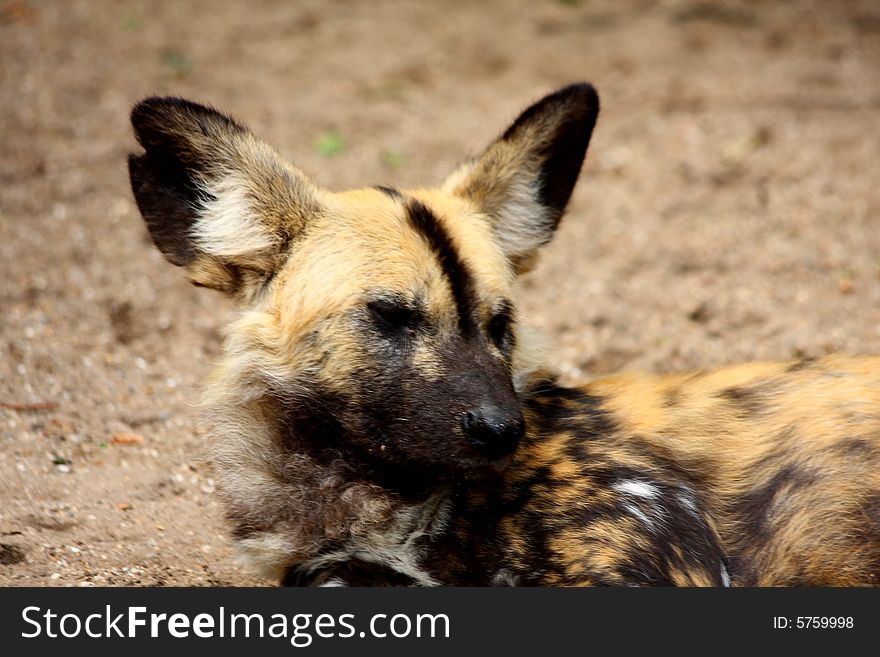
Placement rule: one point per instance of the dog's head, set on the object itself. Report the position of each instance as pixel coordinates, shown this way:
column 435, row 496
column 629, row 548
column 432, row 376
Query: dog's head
column 377, row 325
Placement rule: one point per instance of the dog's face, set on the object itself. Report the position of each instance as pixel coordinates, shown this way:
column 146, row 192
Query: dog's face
column 378, row 325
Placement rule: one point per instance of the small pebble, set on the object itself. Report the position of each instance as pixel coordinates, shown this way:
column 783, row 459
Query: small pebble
column 126, row 439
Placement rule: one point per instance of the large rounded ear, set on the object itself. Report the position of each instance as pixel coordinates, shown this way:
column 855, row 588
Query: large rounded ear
column 216, row 200
column 523, row 181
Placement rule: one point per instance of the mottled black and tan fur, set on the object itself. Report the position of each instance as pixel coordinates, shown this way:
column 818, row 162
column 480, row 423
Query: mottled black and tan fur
column 379, row 417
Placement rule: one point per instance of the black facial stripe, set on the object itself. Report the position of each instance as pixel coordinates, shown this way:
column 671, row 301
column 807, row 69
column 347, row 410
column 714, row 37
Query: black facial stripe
column 505, row 310
column 460, row 280
column 390, row 192
column 502, row 321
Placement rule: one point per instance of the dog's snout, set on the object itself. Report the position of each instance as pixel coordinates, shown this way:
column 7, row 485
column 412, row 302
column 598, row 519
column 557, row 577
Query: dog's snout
column 493, row 431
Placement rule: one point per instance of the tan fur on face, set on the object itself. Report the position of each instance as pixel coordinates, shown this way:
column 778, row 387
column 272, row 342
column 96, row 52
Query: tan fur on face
column 360, row 244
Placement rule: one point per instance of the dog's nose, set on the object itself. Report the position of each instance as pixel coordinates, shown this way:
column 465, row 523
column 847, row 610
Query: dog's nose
column 493, row 431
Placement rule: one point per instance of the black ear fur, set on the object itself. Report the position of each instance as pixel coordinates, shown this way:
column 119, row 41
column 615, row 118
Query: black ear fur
column 170, row 123
column 569, row 114
column 178, row 136
column 166, row 200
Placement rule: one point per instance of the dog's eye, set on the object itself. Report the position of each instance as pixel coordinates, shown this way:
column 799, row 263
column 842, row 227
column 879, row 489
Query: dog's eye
column 499, row 329
column 391, row 316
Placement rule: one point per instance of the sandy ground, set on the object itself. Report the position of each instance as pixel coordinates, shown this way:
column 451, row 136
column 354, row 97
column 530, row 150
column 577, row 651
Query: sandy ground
column 729, row 210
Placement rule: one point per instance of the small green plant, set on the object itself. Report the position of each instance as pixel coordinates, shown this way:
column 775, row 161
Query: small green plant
column 330, row 143
column 177, row 62
column 131, row 20
column 392, row 159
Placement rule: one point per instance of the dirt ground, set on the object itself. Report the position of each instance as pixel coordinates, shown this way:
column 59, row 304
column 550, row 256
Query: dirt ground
column 729, row 210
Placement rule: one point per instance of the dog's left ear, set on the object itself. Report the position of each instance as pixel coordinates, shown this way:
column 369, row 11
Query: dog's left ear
column 523, row 181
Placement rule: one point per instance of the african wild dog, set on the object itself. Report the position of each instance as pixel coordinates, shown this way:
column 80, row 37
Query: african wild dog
column 378, row 415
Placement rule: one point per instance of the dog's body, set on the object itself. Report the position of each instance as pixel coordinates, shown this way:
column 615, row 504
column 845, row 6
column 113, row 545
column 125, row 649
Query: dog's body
column 379, row 418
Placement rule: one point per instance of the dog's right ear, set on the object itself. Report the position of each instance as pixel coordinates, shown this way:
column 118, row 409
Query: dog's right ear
column 216, row 200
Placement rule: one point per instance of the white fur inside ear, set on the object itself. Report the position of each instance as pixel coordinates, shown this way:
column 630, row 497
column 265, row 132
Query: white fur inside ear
column 522, row 223
column 519, row 221
column 227, row 225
